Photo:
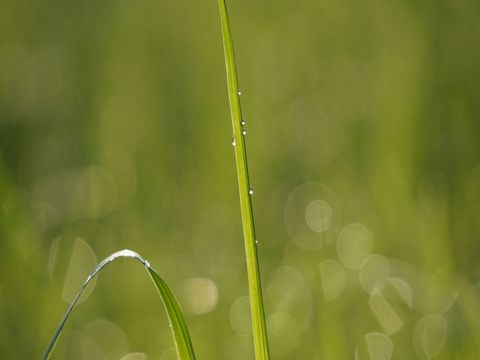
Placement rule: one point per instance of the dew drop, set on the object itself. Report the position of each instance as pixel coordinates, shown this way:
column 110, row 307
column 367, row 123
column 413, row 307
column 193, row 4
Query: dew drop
column 233, row 141
column 243, row 122
column 244, row 132
column 256, row 241
column 239, row 92
column 250, row 191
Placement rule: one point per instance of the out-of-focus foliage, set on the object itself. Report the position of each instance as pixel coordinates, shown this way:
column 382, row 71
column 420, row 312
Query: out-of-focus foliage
column 362, row 131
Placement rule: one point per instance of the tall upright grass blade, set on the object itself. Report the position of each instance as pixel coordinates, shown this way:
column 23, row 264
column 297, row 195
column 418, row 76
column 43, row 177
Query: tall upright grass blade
column 255, row 289
column 180, row 332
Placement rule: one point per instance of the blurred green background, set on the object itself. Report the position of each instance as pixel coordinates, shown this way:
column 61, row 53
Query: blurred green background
column 363, row 136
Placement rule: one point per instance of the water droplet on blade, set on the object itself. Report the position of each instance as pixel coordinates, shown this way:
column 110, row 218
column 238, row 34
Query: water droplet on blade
column 244, row 132
column 239, row 92
column 250, row 191
column 243, row 122
column 233, row 141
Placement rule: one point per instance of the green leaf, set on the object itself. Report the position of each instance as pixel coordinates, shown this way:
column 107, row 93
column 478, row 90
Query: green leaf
column 180, row 332
column 255, row 289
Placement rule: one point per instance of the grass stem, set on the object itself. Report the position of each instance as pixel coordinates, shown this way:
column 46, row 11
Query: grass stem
column 255, row 290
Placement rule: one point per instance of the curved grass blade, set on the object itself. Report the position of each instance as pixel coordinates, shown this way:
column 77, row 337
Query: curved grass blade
column 181, row 335
column 260, row 339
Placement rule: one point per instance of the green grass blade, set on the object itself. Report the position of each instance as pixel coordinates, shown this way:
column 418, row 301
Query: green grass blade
column 255, row 289
column 180, row 332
